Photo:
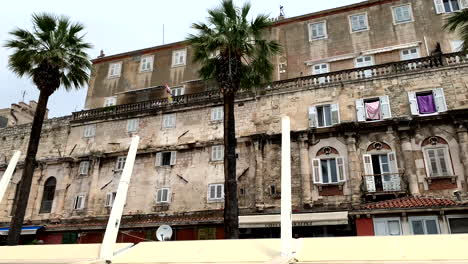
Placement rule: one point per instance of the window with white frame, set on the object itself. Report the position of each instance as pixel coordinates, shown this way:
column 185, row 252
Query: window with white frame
column 358, row 22
column 364, row 61
column 328, row 166
column 120, row 163
column 114, row 69
column 324, row 115
column 320, row 68
column 169, row 121
column 402, row 14
column 318, row 30
column 437, row 160
column 132, row 125
column 110, row 198
column 424, row 225
column 373, row 109
column 409, row 54
column 381, row 172
column 178, row 57
column 457, row 45
column 89, row 131
column 390, row 226
column 217, row 113
column 110, row 101
column 146, row 63
column 458, row 224
column 166, row 158
column 215, row 192
column 217, row 152
column 449, row 6
column 83, row 168
column 79, row 202
column 427, row 102
column 178, row 91
column 163, row 195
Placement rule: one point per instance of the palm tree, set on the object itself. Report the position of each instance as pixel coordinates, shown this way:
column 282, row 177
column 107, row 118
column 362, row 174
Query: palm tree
column 459, row 20
column 52, row 55
column 233, row 51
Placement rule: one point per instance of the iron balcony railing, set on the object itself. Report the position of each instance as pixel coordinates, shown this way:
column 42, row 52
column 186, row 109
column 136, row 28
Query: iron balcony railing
column 311, row 81
column 386, row 182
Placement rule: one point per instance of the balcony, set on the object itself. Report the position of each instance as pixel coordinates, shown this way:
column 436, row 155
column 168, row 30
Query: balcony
column 295, row 84
column 392, row 184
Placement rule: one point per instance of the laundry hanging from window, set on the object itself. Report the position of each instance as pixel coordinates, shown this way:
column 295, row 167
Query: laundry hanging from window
column 373, row 110
column 426, row 103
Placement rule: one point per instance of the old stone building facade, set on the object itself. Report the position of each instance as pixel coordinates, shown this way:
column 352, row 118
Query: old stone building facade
column 379, row 136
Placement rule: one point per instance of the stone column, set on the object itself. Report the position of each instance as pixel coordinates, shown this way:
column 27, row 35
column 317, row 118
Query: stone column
column 354, row 171
column 409, row 165
column 305, row 170
column 93, row 188
column 61, row 192
column 259, row 201
column 462, row 133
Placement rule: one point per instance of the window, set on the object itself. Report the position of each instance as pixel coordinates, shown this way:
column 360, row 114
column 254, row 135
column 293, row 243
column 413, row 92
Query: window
column 78, row 202
column 364, row 61
column 438, row 161
column 178, row 57
column 448, row 6
column 457, row 45
column 273, row 190
column 169, row 120
column 132, row 125
column 373, row 109
column 217, row 152
column 83, row 168
column 402, row 14
column 381, row 172
column 424, row 225
column 217, row 113
column 324, row 115
column 166, row 158
column 458, row 224
column 318, row 30
column 146, row 64
column 410, row 54
column 427, row 102
column 89, row 131
column 114, row 69
column 177, row 91
column 215, row 192
column 320, row 69
column 328, row 170
column 110, row 198
column 48, row 195
column 120, row 163
column 110, row 101
column 387, row 226
column 162, row 195
column 358, row 22
column 3, row 122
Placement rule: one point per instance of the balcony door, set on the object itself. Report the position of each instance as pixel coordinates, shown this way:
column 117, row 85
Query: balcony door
column 381, row 172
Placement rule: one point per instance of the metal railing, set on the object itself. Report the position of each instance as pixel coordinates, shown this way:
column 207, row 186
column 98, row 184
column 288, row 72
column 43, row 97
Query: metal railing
column 311, row 81
column 386, row 182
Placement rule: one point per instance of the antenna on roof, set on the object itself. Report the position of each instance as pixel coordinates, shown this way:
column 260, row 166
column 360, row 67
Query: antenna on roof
column 163, row 34
column 23, row 95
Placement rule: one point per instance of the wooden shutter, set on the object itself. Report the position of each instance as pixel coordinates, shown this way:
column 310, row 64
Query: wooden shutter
column 360, row 112
column 463, row 4
column 385, row 107
column 413, row 103
column 335, row 114
column 158, row 195
column 369, row 173
column 439, row 99
column 173, row 157
column 212, row 192
column 108, row 200
column 219, row 191
column 317, row 171
column 213, row 113
column 392, row 162
column 394, row 177
column 158, row 159
column 164, row 195
column 312, row 116
column 439, row 6
column 341, row 170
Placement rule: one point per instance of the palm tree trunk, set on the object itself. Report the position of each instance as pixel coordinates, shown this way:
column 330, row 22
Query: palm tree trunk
column 28, row 170
column 231, row 208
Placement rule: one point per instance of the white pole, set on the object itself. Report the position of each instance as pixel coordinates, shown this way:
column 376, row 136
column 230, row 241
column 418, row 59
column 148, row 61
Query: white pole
column 112, row 229
column 286, row 217
column 8, row 173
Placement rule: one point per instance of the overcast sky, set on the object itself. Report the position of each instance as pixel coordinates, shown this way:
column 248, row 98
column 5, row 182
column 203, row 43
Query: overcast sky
column 118, row 26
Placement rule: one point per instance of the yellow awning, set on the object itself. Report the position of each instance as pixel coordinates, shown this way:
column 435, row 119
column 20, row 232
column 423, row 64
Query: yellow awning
column 308, row 219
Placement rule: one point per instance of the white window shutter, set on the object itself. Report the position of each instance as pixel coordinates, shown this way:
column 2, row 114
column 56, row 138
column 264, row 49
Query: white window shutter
column 393, row 162
column 439, row 6
column 368, row 169
column 213, row 113
column 317, row 171
column 341, row 169
column 413, row 103
column 463, row 4
column 335, row 113
column 361, row 114
column 439, row 99
column 158, row 159
column 312, row 116
column 108, row 199
column 173, row 157
column 385, row 107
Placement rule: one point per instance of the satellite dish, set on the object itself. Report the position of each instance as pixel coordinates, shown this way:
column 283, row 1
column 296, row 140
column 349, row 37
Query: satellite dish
column 164, row 233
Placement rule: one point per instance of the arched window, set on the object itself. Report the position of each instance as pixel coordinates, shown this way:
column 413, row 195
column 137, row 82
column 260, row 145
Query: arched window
column 328, row 166
column 380, row 168
column 48, row 195
column 437, row 157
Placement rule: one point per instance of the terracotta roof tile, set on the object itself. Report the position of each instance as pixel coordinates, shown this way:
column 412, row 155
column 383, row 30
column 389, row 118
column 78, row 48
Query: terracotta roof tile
column 411, row 202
